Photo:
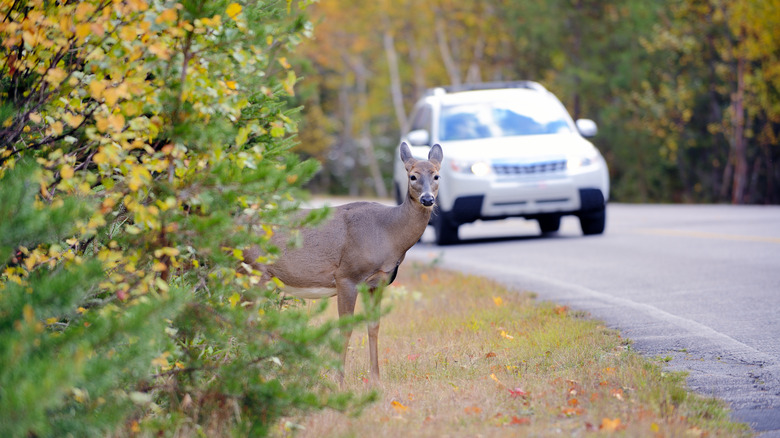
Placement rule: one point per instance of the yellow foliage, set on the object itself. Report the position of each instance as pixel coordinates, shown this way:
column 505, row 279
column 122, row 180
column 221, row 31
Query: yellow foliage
column 233, row 10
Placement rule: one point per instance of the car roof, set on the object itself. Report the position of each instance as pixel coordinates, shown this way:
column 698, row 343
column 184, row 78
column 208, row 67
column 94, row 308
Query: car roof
column 485, row 95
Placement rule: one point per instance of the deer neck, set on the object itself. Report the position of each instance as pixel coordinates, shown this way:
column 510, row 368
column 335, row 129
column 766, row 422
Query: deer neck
column 410, row 220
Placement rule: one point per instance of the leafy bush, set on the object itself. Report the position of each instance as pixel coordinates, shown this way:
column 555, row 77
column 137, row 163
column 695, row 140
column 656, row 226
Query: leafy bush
column 161, row 132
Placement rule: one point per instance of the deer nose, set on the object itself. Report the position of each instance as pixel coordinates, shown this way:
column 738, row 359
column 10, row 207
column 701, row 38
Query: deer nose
column 427, row 199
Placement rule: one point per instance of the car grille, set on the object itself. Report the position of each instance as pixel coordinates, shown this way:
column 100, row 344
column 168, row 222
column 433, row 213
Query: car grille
column 529, row 168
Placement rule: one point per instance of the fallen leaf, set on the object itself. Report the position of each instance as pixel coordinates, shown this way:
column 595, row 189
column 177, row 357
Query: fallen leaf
column 498, row 300
column 400, row 408
column 472, row 410
column 609, row 425
column 573, row 402
column 520, row 420
column 517, row 392
column 412, row 357
column 489, row 355
column 506, row 335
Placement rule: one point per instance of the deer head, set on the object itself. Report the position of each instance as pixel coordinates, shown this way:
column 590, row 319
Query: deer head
column 423, row 175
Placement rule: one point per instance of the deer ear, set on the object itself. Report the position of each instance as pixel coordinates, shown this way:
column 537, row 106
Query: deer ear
column 406, row 154
column 436, row 154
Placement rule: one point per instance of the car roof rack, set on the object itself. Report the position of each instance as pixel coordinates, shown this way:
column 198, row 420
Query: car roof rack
column 529, row 85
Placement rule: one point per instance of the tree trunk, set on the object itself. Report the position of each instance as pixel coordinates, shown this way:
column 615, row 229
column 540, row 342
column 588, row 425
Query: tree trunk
column 740, row 143
column 446, row 55
column 395, row 81
column 345, row 161
column 419, row 58
column 361, row 79
column 474, row 75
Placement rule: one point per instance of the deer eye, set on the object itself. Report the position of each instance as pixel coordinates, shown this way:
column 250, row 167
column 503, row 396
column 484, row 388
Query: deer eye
column 413, row 178
column 435, row 177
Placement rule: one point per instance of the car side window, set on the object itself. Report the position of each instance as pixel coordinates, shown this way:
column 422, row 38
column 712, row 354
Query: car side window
column 422, row 119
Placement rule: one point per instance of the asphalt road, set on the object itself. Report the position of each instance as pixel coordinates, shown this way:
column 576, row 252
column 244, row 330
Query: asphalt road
column 699, row 284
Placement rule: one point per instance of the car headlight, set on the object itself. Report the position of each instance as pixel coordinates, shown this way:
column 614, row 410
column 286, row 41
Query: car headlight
column 478, row 168
column 577, row 162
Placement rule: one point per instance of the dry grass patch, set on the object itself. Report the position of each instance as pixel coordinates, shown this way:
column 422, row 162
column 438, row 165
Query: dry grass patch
column 463, row 356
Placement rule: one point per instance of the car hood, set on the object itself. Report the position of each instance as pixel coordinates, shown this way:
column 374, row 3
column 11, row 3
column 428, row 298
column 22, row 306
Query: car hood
column 519, row 148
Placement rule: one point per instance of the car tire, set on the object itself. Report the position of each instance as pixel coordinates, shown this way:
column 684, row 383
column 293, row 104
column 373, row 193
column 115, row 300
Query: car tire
column 446, row 229
column 549, row 223
column 593, row 222
column 397, row 192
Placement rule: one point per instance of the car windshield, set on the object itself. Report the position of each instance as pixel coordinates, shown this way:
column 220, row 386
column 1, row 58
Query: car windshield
column 502, row 119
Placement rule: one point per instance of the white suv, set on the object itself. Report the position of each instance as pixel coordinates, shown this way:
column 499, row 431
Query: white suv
column 510, row 150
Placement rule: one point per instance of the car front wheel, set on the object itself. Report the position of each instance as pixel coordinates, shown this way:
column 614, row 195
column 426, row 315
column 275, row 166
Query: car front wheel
column 446, row 230
column 593, row 222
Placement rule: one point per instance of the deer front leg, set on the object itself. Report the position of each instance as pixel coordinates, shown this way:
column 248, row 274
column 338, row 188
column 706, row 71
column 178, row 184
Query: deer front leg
column 373, row 333
column 345, row 298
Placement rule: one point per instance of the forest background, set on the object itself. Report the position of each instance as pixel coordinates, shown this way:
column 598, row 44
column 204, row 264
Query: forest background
column 685, row 92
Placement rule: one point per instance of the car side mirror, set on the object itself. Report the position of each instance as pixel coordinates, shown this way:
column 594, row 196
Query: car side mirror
column 419, row 137
column 587, row 127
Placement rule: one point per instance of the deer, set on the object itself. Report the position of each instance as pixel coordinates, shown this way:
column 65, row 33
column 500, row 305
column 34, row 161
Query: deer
column 361, row 243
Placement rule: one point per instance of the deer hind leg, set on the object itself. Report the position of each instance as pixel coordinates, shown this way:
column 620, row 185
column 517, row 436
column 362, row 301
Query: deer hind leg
column 373, row 333
column 346, row 298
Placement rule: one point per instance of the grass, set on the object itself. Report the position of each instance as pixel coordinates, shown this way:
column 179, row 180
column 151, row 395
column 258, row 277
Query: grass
column 463, row 356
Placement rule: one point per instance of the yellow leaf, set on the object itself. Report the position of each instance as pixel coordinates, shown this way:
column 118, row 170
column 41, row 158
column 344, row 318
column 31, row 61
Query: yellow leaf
column 160, row 51
column 82, row 30
column 400, row 408
column 138, row 5
column 504, row 334
column 233, row 10
column 102, row 125
column 284, row 63
column 161, row 361
column 234, row 299
column 55, row 76
column 66, row 172
column 231, row 84
column 96, row 89
column 111, row 95
column 51, row 320
column 35, row 117
column 127, row 33
column 57, row 127
column 289, row 83
column 117, row 122
column 167, row 15
column 84, row 9
column 610, row 425
column 498, row 300
column 171, row 252
column 73, row 120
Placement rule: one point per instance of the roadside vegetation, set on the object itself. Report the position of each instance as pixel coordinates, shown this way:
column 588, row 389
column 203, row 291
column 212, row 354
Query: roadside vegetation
column 463, row 356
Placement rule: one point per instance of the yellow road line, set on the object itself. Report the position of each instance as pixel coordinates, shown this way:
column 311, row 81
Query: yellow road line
column 706, row 235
